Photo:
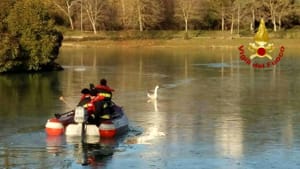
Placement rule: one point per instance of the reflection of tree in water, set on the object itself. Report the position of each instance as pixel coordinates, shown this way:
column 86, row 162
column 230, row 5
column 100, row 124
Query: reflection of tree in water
column 30, row 91
column 95, row 151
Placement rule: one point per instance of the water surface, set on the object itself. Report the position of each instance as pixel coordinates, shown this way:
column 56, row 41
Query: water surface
column 212, row 111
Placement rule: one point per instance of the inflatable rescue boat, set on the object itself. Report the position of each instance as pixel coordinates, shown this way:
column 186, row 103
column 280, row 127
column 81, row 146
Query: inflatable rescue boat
column 74, row 123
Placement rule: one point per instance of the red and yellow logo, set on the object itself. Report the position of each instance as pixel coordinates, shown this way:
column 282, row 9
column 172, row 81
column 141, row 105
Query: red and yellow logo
column 261, row 49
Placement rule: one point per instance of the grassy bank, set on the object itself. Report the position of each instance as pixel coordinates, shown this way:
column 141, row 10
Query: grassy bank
column 173, row 39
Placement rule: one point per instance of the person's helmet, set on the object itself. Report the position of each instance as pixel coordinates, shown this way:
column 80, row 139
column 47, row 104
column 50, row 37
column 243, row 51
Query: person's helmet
column 103, row 82
column 94, row 92
column 85, row 91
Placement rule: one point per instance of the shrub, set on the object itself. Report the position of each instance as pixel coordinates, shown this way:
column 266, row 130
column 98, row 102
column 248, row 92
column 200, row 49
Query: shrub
column 32, row 43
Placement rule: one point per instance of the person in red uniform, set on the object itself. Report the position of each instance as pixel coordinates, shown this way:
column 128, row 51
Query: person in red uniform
column 104, row 90
column 85, row 97
column 105, row 107
column 97, row 102
column 94, row 112
column 86, row 101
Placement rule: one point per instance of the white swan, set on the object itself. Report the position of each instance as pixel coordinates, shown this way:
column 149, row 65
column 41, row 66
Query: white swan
column 153, row 96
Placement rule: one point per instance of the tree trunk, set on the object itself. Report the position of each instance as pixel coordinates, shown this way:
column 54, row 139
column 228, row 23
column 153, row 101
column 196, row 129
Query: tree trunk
column 81, row 16
column 94, row 28
column 92, row 14
column 70, row 18
column 253, row 21
column 274, row 23
column 123, row 13
column 140, row 17
column 223, row 23
column 279, row 22
column 223, row 19
column 71, row 23
column 186, row 24
column 253, row 7
column 66, row 10
column 238, row 19
column 272, row 13
column 232, row 23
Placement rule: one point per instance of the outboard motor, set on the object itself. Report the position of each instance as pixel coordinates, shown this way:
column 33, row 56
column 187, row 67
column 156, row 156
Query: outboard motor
column 80, row 115
column 81, row 128
column 80, row 118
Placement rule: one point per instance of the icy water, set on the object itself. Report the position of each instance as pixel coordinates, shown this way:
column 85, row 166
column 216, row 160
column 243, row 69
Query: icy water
column 213, row 111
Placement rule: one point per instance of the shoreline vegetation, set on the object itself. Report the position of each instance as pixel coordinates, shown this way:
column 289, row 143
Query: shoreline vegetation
column 33, row 31
column 210, row 39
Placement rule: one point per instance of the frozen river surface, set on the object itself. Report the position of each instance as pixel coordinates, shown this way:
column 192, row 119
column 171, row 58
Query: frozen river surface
column 213, row 111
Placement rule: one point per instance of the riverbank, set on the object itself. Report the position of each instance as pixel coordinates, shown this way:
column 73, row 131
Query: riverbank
column 195, row 42
column 173, row 39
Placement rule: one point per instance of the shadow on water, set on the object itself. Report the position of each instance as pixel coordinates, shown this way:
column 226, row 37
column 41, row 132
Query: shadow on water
column 93, row 151
column 30, row 147
column 26, row 98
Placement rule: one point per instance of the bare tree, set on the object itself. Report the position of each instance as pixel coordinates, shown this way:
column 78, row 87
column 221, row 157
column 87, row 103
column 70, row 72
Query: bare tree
column 285, row 7
column 274, row 10
column 95, row 10
column 271, row 5
column 149, row 13
column 81, row 16
column 249, row 11
column 236, row 14
column 253, row 9
column 140, row 14
column 123, row 13
column 140, row 7
column 232, row 8
column 277, row 9
column 187, row 9
column 221, row 7
column 157, row 14
column 65, row 6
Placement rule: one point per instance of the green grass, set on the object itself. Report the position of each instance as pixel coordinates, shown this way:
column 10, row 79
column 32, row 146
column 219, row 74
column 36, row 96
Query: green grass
column 130, row 35
column 174, row 38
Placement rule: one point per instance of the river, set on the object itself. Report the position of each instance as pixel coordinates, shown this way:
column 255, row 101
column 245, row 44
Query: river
column 213, row 110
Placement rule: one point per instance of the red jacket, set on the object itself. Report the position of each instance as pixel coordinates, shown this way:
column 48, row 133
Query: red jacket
column 107, row 88
column 105, row 91
column 84, row 96
column 91, row 106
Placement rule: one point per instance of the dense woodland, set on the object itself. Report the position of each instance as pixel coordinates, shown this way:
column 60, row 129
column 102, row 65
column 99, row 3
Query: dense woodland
column 31, row 30
column 114, row 15
column 233, row 15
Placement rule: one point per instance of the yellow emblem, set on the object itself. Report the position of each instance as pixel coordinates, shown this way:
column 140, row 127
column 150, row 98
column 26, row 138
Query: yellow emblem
column 261, row 47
